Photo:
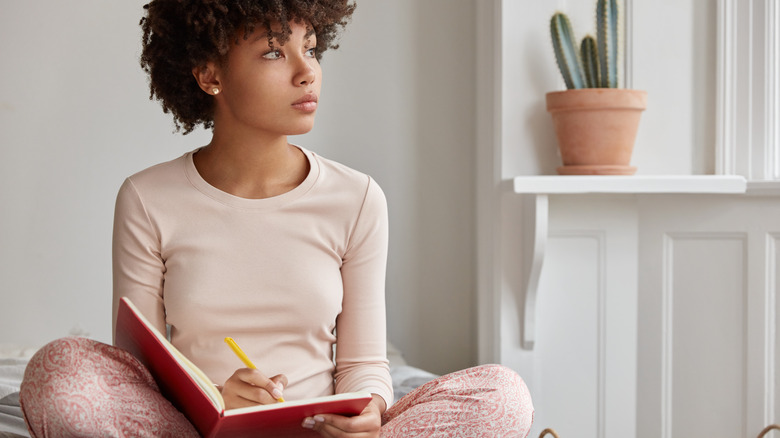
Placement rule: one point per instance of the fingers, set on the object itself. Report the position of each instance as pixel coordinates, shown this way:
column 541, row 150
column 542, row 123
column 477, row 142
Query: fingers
column 279, row 382
column 280, row 379
column 260, row 388
column 365, row 425
column 336, row 426
column 248, row 387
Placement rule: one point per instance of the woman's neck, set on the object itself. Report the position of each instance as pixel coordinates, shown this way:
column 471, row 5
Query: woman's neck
column 253, row 168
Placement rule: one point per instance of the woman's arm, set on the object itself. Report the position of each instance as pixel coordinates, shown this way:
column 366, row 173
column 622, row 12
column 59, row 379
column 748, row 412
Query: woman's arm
column 138, row 267
column 361, row 347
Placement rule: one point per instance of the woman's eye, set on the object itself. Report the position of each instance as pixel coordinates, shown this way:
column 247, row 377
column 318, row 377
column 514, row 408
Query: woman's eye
column 311, row 53
column 274, row 54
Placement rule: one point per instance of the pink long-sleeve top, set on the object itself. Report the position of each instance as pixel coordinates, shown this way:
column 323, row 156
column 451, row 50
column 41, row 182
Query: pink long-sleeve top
column 287, row 277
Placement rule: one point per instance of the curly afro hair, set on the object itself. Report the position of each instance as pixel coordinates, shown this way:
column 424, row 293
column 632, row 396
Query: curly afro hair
column 179, row 35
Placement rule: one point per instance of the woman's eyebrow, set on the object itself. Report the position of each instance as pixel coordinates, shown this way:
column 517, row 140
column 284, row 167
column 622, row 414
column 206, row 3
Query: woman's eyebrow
column 259, row 38
column 307, row 40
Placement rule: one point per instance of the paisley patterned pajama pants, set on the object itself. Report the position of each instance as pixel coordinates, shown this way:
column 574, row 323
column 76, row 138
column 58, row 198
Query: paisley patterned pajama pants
column 76, row 387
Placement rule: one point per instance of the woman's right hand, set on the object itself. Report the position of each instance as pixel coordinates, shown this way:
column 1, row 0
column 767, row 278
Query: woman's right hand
column 250, row 387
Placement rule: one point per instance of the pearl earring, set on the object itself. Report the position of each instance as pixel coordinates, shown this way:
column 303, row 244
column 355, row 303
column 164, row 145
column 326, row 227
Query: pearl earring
column 215, row 90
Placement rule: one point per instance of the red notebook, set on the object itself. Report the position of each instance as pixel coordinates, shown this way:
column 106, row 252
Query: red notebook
column 191, row 391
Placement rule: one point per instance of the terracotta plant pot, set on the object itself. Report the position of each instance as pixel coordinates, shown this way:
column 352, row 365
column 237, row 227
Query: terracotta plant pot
column 596, row 129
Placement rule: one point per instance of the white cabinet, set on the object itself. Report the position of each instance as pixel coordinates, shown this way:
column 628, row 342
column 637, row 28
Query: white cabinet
column 655, row 316
column 642, row 307
column 708, row 315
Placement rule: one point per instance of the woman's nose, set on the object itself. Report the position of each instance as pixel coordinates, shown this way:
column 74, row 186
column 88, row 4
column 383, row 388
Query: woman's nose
column 306, row 74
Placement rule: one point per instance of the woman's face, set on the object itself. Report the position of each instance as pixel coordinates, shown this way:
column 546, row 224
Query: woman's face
column 272, row 89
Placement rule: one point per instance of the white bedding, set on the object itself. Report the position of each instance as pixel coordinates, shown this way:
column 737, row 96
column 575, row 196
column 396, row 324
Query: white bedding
column 13, row 361
column 11, row 373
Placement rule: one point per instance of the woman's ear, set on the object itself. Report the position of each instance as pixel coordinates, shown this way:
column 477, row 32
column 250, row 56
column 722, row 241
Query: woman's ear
column 207, row 78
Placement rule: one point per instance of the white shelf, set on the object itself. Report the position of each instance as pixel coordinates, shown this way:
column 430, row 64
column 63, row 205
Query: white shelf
column 536, row 190
column 571, row 184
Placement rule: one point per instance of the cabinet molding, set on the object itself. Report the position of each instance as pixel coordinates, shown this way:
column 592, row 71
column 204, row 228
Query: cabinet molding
column 683, row 318
column 771, row 373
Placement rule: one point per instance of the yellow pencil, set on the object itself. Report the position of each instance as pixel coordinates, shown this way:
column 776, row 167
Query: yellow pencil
column 241, row 355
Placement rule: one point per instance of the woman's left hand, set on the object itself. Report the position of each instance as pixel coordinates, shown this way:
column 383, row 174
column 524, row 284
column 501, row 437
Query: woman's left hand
column 365, row 425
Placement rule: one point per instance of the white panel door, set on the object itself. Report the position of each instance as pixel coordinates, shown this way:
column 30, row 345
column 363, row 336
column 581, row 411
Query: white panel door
column 583, row 364
column 707, row 315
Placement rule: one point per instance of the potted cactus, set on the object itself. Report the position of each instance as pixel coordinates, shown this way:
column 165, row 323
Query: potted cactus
column 595, row 121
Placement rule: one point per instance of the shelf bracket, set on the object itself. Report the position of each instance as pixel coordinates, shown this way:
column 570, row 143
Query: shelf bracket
column 535, row 217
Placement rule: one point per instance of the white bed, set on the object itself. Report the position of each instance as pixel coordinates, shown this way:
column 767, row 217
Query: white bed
column 13, row 360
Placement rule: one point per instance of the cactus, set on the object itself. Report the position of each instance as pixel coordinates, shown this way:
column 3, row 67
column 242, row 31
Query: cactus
column 565, row 52
column 607, row 34
column 590, row 61
column 595, row 64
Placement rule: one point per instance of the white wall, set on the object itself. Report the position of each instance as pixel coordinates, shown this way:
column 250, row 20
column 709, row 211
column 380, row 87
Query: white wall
column 75, row 120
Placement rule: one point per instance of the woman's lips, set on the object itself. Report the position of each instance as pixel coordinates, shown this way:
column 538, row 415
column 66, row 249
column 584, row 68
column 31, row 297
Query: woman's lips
column 307, row 104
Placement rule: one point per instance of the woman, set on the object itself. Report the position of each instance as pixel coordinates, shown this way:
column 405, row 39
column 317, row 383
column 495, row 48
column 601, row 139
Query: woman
column 254, row 238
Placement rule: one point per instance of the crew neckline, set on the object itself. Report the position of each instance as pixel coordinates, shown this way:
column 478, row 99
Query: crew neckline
column 264, row 203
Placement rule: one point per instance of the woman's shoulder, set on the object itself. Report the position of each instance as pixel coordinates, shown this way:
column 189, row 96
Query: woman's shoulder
column 336, row 174
column 354, row 193
column 157, row 182
column 162, row 171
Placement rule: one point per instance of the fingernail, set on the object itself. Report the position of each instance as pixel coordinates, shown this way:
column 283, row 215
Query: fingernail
column 308, row 423
column 319, row 419
column 276, row 393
